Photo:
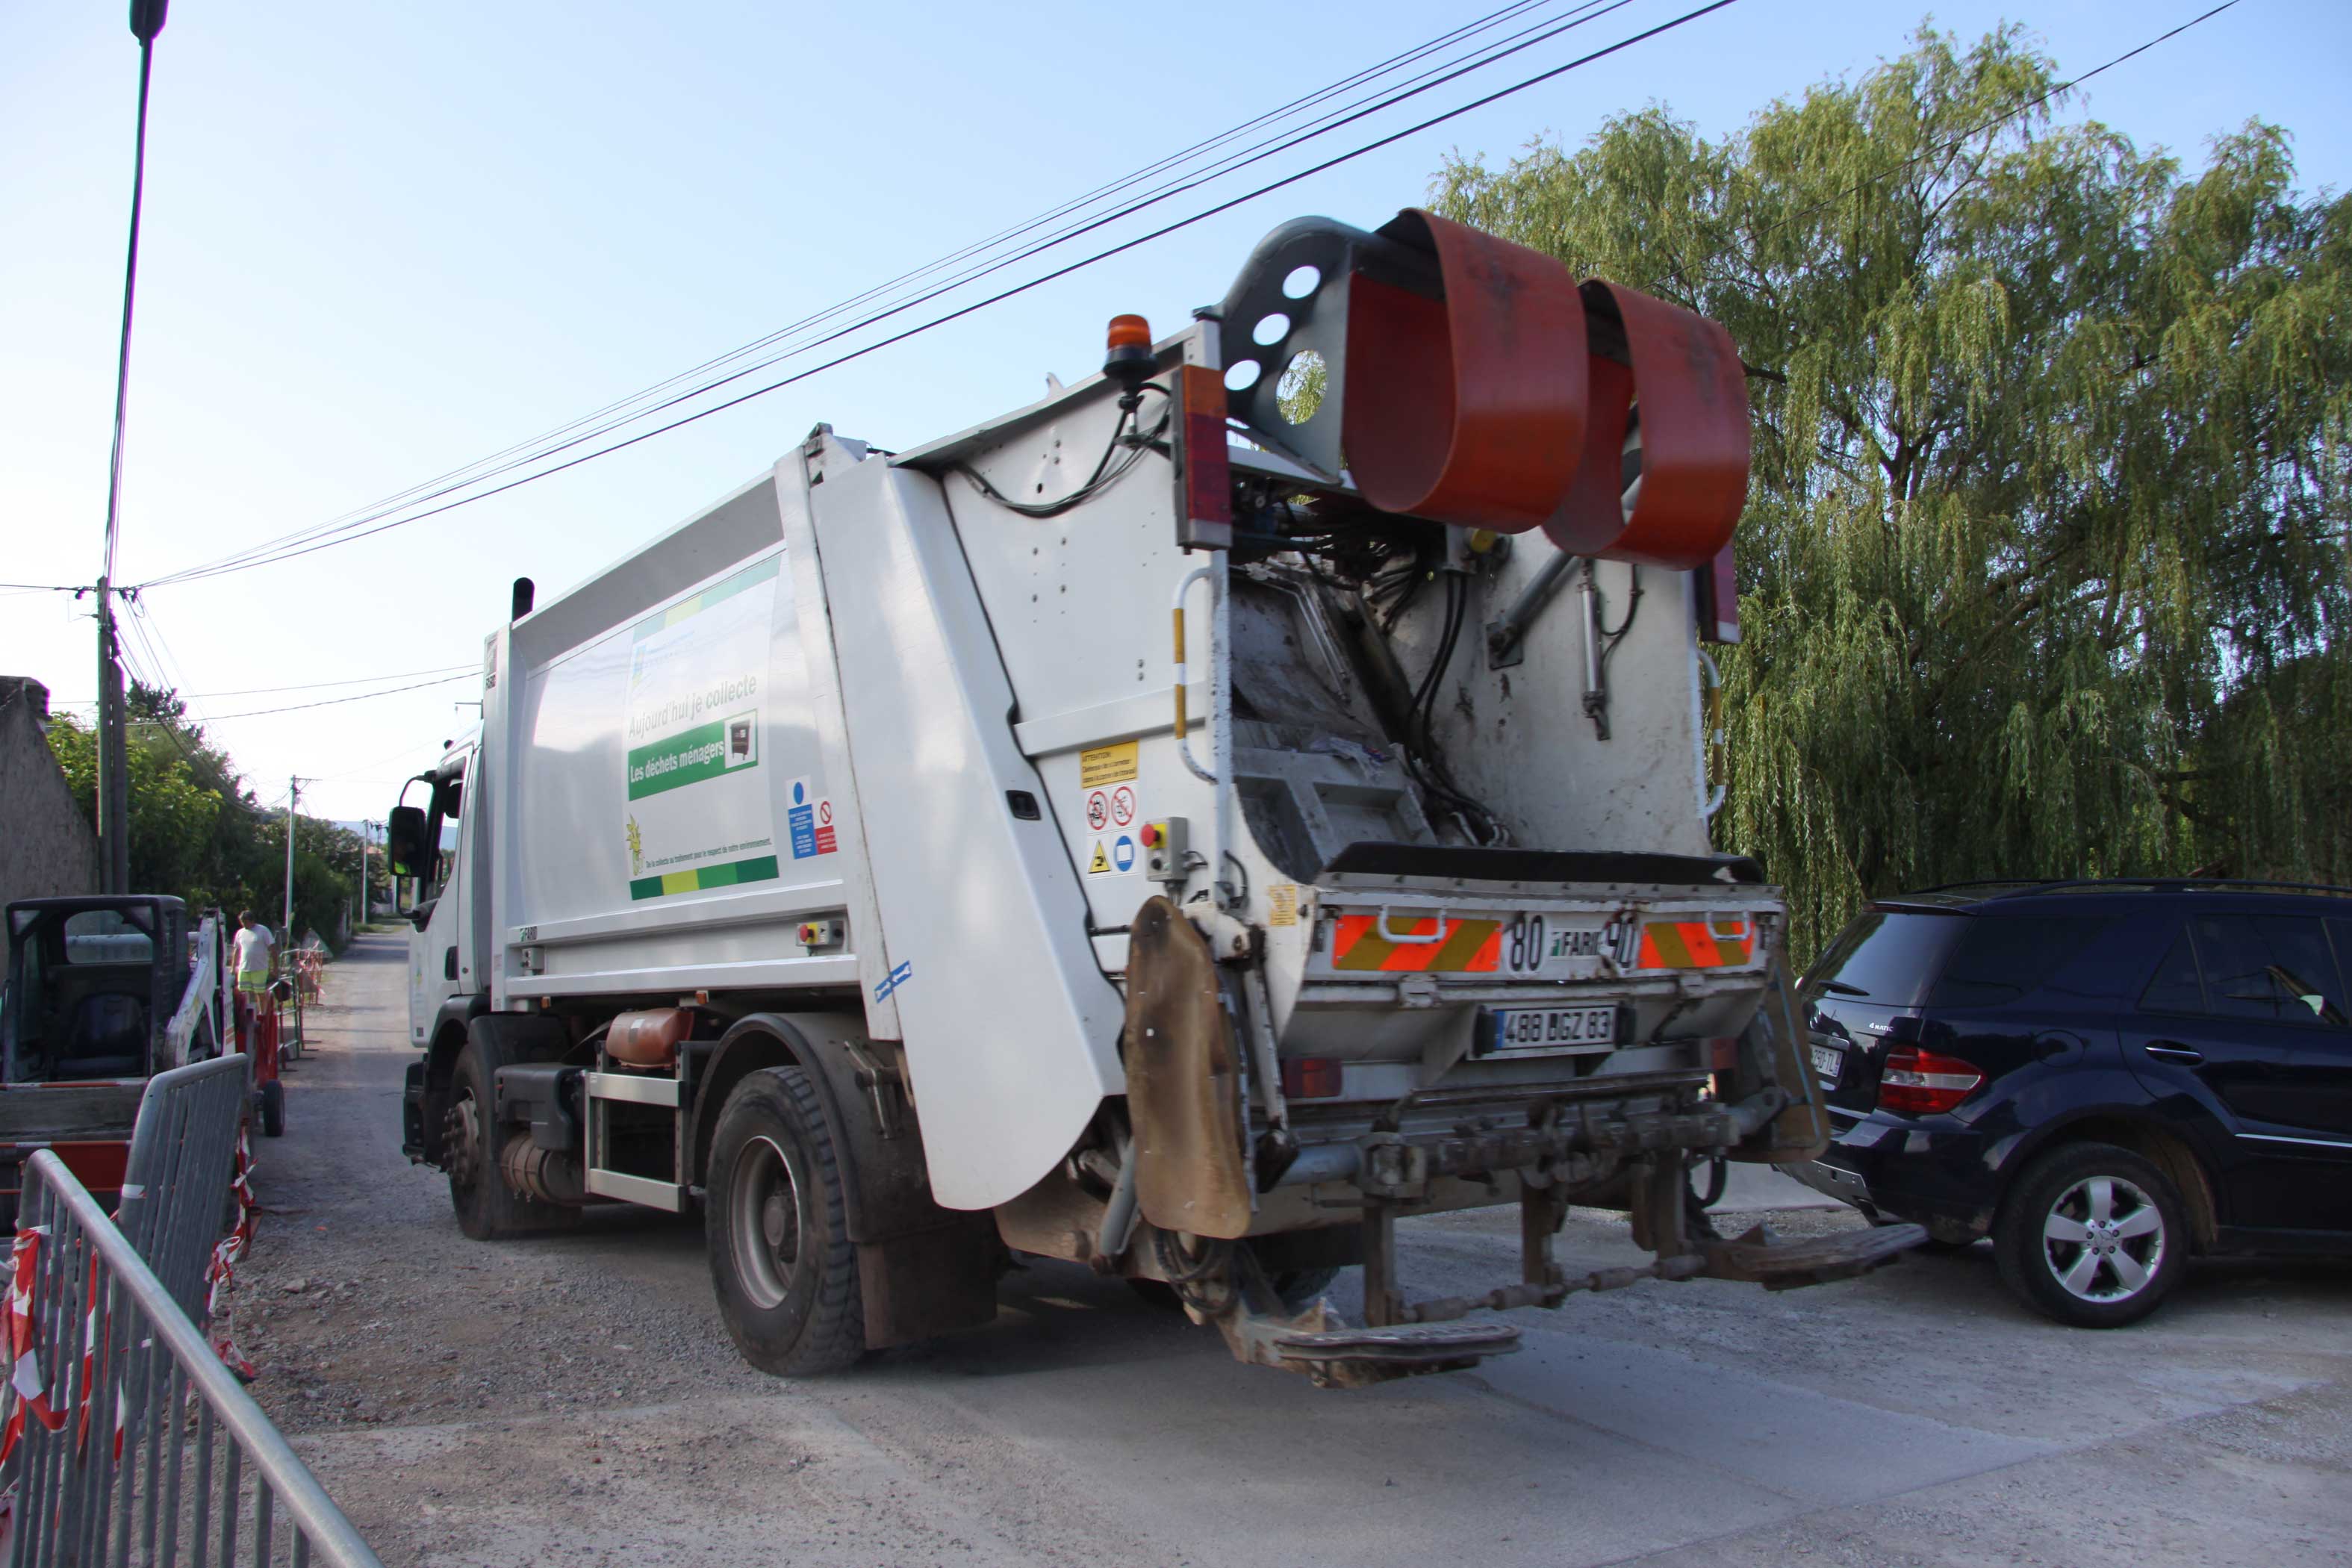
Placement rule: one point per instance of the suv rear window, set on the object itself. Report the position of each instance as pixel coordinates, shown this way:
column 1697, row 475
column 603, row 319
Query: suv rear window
column 1888, row 956
column 1903, row 959
column 2001, row 958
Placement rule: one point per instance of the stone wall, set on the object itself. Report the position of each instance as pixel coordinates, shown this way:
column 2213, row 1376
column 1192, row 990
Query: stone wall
column 46, row 845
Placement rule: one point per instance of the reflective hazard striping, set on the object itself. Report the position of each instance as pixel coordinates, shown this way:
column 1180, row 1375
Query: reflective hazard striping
column 1695, row 944
column 1468, row 946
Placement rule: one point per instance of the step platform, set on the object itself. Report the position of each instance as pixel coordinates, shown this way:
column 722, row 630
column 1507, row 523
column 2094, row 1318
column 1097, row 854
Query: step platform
column 1762, row 1258
column 1429, row 1346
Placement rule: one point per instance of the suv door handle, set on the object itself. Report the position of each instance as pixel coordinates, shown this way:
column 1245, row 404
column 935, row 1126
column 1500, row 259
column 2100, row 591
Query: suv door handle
column 2166, row 1051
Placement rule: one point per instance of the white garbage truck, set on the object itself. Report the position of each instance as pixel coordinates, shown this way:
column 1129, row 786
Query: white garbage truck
column 1244, row 799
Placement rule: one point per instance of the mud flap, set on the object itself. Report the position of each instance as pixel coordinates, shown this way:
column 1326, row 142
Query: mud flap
column 913, row 1287
column 1183, row 1083
column 1772, row 1054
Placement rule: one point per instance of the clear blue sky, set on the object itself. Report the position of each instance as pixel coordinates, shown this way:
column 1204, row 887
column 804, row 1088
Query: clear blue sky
column 381, row 243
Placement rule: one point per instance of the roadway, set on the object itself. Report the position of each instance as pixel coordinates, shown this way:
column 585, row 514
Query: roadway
column 574, row 1396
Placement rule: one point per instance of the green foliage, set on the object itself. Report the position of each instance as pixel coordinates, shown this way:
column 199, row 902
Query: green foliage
column 1300, row 393
column 198, row 833
column 2044, row 558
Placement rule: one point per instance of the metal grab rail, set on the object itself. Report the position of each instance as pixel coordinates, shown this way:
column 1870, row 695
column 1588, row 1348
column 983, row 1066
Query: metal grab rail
column 117, row 1360
column 202, row 1001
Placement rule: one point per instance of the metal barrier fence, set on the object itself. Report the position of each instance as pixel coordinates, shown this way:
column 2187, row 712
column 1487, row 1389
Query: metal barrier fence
column 132, row 1442
column 183, row 1156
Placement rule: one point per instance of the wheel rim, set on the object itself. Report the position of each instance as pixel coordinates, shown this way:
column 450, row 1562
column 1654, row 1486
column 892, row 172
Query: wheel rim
column 462, row 1138
column 2104, row 1239
column 765, row 1236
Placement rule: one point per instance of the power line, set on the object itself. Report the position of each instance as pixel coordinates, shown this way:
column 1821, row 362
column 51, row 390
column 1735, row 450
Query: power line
column 298, row 707
column 306, row 686
column 334, row 702
column 491, row 465
column 1033, row 283
column 343, row 533
column 1999, row 120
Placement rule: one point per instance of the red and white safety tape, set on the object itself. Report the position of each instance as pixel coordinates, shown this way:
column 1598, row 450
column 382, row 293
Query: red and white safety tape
column 226, row 1254
column 25, row 1393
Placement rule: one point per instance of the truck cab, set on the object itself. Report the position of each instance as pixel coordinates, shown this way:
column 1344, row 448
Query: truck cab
column 426, row 842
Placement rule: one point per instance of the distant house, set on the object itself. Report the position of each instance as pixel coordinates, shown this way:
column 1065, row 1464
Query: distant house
column 46, row 845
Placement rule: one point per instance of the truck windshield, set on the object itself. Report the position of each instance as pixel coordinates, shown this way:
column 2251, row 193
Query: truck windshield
column 1887, row 957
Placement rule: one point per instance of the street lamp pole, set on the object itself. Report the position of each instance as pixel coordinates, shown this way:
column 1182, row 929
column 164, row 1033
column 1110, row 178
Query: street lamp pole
column 286, row 931
column 113, row 731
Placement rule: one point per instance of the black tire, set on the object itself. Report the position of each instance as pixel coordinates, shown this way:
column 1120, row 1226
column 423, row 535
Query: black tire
column 273, row 1110
column 1935, row 1246
column 776, row 1226
column 488, row 1210
column 1299, row 1288
column 2128, row 1258
column 1158, row 1294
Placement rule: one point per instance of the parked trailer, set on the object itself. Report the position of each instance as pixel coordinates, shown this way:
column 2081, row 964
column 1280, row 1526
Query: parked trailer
column 861, row 864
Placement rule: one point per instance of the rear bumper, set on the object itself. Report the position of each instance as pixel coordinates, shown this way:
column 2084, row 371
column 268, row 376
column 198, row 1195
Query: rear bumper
column 1896, row 1168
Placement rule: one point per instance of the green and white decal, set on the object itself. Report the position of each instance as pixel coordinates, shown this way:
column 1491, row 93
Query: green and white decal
column 696, row 810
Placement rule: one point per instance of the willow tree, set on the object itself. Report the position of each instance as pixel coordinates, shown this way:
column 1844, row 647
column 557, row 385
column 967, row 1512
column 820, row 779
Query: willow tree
column 2044, row 564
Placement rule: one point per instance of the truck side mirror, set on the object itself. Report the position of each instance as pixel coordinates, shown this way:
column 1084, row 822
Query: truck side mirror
column 404, row 840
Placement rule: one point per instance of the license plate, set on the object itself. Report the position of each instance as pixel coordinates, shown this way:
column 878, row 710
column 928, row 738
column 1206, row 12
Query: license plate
column 1524, row 1029
column 1829, row 1062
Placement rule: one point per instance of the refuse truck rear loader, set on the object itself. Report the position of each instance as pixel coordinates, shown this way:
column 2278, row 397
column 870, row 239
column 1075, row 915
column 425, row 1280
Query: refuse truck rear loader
column 1247, row 798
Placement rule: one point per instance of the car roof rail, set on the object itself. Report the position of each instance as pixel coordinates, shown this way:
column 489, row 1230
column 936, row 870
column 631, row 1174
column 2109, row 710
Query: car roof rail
column 2030, row 887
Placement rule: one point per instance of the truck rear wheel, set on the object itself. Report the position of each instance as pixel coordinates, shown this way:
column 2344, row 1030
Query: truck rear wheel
column 776, row 1223
column 488, row 1210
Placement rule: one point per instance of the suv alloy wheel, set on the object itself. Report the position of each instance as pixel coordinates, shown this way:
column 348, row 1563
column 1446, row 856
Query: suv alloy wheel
column 2093, row 1235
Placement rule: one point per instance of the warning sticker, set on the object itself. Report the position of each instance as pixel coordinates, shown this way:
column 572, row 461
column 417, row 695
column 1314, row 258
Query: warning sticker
column 810, row 821
column 1098, row 811
column 1107, row 766
column 1122, row 806
column 1116, row 856
column 1282, row 904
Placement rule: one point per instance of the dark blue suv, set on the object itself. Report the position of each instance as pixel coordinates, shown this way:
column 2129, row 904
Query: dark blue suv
column 2106, row 1078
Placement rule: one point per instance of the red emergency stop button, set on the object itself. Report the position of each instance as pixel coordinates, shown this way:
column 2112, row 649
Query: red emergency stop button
column 1150, row 835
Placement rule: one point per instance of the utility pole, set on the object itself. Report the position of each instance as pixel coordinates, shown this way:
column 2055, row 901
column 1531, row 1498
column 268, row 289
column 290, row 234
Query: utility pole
column 114, row 774
column 112, row 737
column 286, row 931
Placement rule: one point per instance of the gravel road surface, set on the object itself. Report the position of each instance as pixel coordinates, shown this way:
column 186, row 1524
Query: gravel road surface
column 574, row 1398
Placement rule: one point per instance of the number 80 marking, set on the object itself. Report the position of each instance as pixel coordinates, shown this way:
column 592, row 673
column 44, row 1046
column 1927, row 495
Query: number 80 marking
column 1523, row 951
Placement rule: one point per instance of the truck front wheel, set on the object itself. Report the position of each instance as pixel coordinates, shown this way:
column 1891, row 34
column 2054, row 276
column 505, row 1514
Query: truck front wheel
column 776, row 1224
column 488, row 1210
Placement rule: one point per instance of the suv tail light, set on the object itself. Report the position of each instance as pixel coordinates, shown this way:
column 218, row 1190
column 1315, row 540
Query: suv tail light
column 1921, row 1083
